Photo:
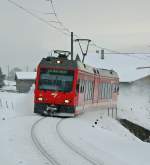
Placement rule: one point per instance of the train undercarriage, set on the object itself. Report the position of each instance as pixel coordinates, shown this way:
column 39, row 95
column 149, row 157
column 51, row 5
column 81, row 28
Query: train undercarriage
column 54, row 110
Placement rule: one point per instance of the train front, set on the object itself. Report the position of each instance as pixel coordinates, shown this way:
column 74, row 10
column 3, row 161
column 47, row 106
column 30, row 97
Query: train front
column 55, row 88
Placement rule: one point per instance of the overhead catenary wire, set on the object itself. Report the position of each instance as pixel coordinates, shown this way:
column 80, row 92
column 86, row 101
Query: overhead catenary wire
column 57, row 18
column 66, row 31
column 41, row 12
column 110, row 51
column 93, row 43
column 37, row 17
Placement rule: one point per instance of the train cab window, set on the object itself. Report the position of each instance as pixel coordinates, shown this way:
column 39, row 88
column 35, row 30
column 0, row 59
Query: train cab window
column 56, row 80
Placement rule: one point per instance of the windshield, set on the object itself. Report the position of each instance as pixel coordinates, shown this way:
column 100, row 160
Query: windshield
column 56, row 80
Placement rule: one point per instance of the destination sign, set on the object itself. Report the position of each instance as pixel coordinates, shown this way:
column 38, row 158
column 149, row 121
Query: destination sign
column 56, row 71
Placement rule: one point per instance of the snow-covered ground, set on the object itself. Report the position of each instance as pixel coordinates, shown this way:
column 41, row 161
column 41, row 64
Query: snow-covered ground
column 9, row 86
column 69, row 141
column 134, row 105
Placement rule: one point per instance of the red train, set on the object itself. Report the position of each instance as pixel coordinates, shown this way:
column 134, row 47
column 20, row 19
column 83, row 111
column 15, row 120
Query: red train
column 66, row 87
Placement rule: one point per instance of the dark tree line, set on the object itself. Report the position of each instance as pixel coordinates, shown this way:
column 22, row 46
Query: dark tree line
column 2, row 77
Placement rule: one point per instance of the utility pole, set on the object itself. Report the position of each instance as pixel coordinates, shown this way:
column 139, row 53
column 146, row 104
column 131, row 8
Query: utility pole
column 102, row 54
column 71, row 45
column 8, row 72
column 27, row 68
column 143, row 67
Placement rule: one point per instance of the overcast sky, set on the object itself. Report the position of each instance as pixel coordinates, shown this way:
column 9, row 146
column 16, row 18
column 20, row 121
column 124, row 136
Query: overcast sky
column 122, row 25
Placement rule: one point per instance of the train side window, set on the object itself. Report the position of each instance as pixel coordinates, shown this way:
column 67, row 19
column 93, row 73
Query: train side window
column 110, row 92
column 89, row 90
column 106, row 91
column 117, row 88
column 108, row 95
column 77, row 86
column 113, row 88
column 99, row 90
column 104, row 85
column 82, row 86
column 102, row 91
column 86, row 89
column 92, row 89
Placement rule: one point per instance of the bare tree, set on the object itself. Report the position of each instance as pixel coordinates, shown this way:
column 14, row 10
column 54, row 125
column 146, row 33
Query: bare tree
column 2, row 77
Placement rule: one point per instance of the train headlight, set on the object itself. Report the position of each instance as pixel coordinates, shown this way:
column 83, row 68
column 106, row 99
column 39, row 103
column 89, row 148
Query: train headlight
column 58, row 62
column 67, row 101
column 40, row 98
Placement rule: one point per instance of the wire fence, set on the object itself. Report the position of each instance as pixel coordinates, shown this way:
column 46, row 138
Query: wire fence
column 6, row 105
column 112, row 112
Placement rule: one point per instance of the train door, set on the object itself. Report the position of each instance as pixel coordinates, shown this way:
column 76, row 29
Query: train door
column 96, row 81
column 80, row 91
column 115, row 90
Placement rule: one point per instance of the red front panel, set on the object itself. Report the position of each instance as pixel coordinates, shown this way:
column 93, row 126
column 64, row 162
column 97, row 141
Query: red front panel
column 55, row 97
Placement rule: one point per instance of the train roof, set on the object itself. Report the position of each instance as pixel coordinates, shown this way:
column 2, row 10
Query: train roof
column 74, row 64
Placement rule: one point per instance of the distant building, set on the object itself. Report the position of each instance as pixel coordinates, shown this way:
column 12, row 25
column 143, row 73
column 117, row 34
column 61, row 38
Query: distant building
column 24, row 81
column 138, row 83
column 143, row 82
column 136, row 93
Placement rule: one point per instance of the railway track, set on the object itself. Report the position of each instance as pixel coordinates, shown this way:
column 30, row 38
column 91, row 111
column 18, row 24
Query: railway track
column 66, row 142
column 74, row 148
column 50, row 158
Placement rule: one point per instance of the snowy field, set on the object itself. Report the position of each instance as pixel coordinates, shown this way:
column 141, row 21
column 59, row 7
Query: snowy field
column 72, row 141
column 134, row 105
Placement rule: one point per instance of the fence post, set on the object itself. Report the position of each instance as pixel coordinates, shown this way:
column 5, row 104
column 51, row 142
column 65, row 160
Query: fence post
column 116, row 112
column 12, row 105
column 108, row 111
column 112, row 112
column 6, row 105
column 0, row 102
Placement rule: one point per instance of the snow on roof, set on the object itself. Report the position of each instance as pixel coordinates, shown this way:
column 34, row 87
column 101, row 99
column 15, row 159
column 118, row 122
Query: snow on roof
column 26, row 75
column 133, row 75
column 124, row 65
column 9, row 83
